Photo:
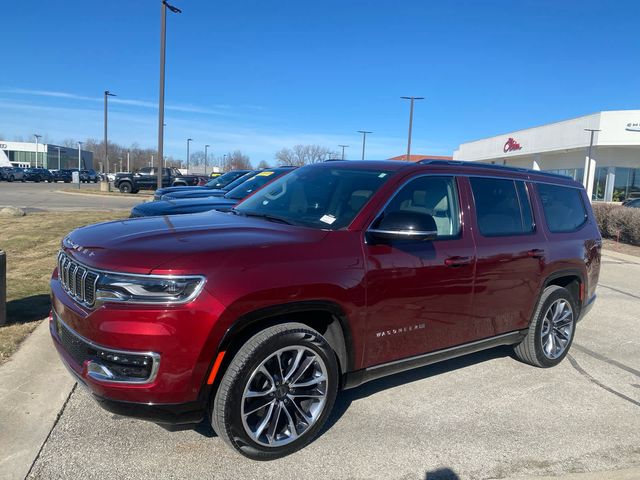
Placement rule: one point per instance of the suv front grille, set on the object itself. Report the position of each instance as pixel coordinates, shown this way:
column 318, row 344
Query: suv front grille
column 79, row 281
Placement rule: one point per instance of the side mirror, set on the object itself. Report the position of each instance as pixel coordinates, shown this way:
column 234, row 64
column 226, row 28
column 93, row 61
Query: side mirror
column 405, row 226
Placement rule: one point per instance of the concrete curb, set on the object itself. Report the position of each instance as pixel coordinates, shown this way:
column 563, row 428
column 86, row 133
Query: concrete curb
column 98, row 194
column 621, row 256
column 34, row 387
column 627, row 474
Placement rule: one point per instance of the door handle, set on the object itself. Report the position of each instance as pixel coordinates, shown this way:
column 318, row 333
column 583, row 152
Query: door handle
column 457, row 261
column 535, row 253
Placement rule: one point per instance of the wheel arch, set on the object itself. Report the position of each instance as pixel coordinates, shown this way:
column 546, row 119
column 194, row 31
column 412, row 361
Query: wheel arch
column 571, row 279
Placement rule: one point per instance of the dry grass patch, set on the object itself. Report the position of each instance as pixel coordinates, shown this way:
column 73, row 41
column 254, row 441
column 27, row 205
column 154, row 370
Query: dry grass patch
column 31, row 243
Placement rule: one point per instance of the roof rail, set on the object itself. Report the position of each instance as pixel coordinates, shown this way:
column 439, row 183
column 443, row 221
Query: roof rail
column 492, row 166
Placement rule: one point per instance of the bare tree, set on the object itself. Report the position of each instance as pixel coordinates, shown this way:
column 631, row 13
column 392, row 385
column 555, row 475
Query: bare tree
column 304, row 154
column 263, row 164
column 236, row 161
column 69, row 143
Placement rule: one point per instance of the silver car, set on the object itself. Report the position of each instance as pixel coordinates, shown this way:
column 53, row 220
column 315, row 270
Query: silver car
column 11, row 174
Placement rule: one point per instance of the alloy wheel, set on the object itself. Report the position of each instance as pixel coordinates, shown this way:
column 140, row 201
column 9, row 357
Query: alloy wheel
column 557, row 328
column 285, row 396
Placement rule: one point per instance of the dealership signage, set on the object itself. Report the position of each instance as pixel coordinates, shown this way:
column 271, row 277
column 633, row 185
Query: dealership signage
column 3, row 146
column 633, row 127
column 511, row 146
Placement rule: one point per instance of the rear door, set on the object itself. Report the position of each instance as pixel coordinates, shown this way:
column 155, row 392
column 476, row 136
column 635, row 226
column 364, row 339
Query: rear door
column 146, row 177
column 419, row 293
column 510, row 250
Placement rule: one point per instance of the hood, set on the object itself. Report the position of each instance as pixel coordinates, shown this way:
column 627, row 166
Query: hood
column 165, row 190
column 195, row 192
column 141, row 244
column 180, row 206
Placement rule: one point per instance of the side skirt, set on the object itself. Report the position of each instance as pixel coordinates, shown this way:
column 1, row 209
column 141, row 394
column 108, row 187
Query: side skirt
column 358, row 377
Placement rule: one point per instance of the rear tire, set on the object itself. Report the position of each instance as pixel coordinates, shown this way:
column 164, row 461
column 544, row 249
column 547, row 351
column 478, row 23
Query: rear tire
column 277, row 392
column 12, row 178
column 552, row 329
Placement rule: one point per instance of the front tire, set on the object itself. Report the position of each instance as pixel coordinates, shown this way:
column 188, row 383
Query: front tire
column 552, row 329
column 125, row 187
column 277, row 392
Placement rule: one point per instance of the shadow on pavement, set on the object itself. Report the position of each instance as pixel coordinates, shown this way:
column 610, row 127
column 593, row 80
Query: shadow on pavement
column 441, row 474
column 28, row 309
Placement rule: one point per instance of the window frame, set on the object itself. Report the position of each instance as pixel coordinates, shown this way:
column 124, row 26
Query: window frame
column 585, row 221
column 457, row 190
column 534, row 225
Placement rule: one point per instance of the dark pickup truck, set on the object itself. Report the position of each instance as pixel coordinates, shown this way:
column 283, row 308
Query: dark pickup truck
column 146, row 179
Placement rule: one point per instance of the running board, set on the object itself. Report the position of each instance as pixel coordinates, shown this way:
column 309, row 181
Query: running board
column 358, row 377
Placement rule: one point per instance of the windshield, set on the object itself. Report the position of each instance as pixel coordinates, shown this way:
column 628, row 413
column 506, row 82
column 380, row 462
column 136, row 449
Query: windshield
column 254, row 183
column 225, row 179
column 326, row 198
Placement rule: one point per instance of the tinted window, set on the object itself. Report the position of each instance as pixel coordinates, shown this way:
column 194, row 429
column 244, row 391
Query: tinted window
column 501, row 210
column 254, row 183
column 563, row 207
column 316, row 196
column 225, row 179
column 435, row 196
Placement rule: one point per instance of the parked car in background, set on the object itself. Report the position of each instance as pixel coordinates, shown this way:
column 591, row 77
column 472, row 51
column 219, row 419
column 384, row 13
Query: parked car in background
column 206, row 193
column 146, row 179
column 221, row 203
column 632, row 203
column 63, row 175
column 12, row 174
column 333, row 275
column 215, row 183
column 88, row 176
column 37, row 175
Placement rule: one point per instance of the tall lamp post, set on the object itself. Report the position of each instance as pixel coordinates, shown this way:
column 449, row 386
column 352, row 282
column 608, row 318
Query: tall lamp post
column 189, row 140
column 58, row 157
column 205, row 158
column 107, row 94
column 79, row 162
column 38, row 137
column 364, row 140
column 589, row 170
column 343, row 147
column 163, row 48
column 413, row 99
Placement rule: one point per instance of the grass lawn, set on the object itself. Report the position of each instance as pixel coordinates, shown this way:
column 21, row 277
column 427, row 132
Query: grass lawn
column 31, row 243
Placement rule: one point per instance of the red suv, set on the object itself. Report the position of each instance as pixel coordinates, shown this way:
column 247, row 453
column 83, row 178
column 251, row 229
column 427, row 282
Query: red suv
column 331, row 276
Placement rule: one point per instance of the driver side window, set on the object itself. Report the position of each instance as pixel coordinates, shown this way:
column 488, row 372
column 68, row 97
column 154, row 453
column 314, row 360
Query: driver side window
column 435, row 196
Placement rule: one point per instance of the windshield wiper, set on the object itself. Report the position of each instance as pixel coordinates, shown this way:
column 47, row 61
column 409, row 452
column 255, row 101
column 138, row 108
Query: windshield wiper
column 266, row 216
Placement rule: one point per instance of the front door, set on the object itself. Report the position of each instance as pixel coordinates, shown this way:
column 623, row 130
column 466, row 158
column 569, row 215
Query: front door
column 420, row 293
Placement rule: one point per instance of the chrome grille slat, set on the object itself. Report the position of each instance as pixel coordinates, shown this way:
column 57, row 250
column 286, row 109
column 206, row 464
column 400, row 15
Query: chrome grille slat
column 79, row 281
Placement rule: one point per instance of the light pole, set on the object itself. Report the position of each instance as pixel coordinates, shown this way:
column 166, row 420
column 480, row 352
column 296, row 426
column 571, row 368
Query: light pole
column 38, row 137
column 128, row 164
column 587, row 178
column 163, row 48
column 224, row 161
column 79, row 161
column 410, row 123
column 343, row 147
column 58, row 157
column 364, row 140
column 107, row 94
column 189, row 140
column 205, row 158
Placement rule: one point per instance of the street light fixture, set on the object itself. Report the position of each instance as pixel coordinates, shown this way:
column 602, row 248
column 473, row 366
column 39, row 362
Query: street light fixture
column 413, row 99
column 205, row 158
column 163, row 48
column 79, row 162
column 107, row 94
column 343, row 147
column 364, row 140
column 189, row 140
column 38, row 137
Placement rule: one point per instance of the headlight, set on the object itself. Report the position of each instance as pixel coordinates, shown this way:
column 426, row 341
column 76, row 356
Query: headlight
column 147, row 288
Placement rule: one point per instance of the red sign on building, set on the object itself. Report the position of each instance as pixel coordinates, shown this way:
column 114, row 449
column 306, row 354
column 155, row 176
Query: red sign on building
column 511, row 146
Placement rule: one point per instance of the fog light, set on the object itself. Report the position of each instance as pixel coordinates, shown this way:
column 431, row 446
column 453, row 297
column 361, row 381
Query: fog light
column 111, row 366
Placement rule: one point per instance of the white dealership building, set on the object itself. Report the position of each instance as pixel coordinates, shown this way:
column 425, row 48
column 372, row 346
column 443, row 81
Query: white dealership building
column 612, row 173
column 42, row 155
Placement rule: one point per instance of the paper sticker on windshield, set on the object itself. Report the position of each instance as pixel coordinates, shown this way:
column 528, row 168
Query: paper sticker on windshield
column 264, row 174
column 328, row 219
column 382, row 175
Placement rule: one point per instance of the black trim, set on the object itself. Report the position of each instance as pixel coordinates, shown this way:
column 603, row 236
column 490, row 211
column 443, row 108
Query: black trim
column 354, row 379
column 163, row 413
column 586, row 308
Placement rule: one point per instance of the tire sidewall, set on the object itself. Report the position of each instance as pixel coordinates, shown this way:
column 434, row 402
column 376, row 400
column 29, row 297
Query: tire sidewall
column 560, row 293
column 232, row 411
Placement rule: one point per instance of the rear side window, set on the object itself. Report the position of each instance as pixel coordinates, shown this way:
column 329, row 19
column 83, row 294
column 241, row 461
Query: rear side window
column 563, row 207
column 502, row 206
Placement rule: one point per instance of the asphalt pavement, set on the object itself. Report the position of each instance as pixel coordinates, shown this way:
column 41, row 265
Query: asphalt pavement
column 44, row 196
column 479, row 417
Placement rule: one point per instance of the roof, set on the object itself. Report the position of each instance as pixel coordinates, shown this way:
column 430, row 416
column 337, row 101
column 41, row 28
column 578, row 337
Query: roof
column 417, row 158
